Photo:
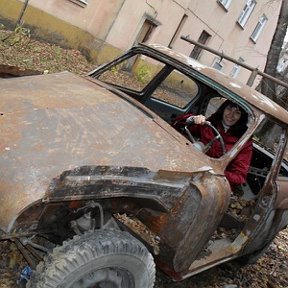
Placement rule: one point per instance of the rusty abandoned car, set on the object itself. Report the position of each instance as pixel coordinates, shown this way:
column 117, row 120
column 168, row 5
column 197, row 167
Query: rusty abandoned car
column 97, row 187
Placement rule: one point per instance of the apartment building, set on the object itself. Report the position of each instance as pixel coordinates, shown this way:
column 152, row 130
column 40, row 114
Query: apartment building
column 242, row 29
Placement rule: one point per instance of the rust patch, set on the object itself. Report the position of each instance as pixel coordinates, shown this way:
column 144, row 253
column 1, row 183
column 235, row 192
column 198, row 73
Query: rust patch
column 141, row 230
column 8, row 71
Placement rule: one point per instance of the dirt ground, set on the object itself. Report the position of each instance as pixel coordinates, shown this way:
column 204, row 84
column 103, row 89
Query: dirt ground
column 270, row 271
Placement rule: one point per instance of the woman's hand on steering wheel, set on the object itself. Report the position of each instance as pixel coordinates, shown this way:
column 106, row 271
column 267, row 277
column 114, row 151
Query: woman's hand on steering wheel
column 198, row 119
column 201, row 120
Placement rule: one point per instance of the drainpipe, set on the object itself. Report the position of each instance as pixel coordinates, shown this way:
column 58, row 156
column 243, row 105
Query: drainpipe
column 24, row 7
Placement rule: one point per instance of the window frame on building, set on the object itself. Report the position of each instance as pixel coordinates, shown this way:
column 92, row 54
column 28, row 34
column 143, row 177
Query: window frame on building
column 178, row 30
column 148, row 26
column 259, row 28
column 225, row 3
column 236, row 68
column 82, row 3
column 218, row 61
column 203, row 38
column 246, row 12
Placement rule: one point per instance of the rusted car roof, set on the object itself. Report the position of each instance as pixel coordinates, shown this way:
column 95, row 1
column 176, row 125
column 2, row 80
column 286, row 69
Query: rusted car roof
column 253, row 97
column 52, row 123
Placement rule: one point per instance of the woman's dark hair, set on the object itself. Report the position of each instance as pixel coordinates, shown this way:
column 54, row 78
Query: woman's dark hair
column 239, row 128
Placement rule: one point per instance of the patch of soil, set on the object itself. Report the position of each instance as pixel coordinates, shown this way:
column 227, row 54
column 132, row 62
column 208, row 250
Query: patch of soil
column 19, row 49
column 270, row 271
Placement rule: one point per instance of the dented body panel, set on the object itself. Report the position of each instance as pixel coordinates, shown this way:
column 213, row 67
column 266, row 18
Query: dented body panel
column 46, row 131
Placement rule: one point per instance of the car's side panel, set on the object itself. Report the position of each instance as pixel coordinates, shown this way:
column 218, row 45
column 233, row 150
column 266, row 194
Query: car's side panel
column 195, row 218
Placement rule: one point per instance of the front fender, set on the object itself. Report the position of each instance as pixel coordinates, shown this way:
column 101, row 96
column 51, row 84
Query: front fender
column 120, row 189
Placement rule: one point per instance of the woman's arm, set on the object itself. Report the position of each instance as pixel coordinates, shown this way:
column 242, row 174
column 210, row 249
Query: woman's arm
column 237, row 170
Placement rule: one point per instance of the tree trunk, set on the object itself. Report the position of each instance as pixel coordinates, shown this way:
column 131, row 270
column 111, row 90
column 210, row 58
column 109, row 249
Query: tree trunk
column 268, row 87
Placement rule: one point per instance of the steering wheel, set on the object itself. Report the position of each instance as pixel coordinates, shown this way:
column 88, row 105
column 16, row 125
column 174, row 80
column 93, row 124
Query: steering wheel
column 200, row 145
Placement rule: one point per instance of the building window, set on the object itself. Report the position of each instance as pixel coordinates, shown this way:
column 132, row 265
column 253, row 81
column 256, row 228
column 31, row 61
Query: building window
column 217, row 64
column 177, row 32
column 225, row 3
column 236, row 68
column 203, row 40
column 259, row 27
column 81, row 3
column 246, row 12
column 146, row 30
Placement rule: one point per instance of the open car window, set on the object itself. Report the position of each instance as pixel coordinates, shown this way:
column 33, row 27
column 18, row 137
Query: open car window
column 176, row 89
column 133, row 73
column 213, row 105
column 156, row 84
column 264, row 150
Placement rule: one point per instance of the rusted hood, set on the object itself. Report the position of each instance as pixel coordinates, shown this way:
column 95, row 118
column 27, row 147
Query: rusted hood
column 52, row 123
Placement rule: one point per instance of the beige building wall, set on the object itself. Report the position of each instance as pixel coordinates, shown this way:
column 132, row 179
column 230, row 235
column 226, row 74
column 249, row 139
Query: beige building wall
column 95, row 18
column 165, row 14
column 227, row 35
column 105, row 28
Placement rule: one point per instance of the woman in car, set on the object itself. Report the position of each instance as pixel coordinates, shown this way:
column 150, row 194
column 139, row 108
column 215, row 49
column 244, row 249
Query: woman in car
column 231, row 122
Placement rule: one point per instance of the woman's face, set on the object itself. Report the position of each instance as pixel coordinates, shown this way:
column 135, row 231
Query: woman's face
column 231, row 115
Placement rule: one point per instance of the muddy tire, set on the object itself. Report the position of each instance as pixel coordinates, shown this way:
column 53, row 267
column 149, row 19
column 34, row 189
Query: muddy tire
column 108, row 259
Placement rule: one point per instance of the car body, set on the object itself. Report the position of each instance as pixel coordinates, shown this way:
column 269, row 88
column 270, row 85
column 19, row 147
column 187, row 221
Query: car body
column 98, row 152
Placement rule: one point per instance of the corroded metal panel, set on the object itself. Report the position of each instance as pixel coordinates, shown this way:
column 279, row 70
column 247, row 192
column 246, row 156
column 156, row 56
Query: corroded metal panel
column 53, row 123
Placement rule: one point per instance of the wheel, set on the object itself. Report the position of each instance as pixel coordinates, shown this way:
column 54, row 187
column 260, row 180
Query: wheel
column 104, row 259
column 206, row 147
